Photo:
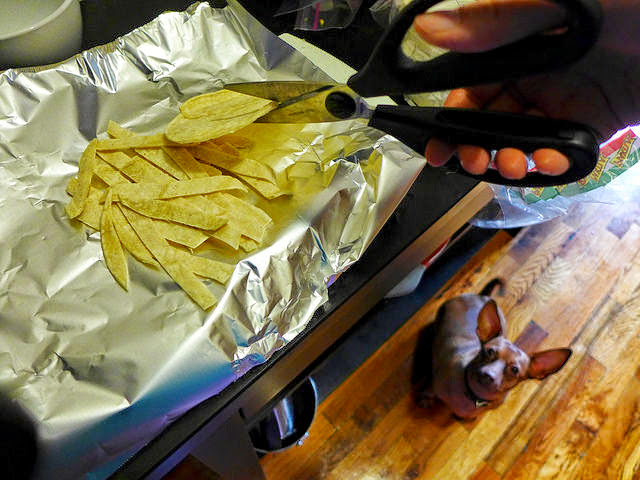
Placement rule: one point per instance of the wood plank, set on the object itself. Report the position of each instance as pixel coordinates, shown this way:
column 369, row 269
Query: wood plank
column 623, row 363
column 565, row 460
column 590, row 279
column 625, row 464
column 453, row 442
column 611, row 434
column 345, row 438
column 536, row 263
column 567, row 271
column 485, row 472
column 392, row 463
column 380, row 440
column 426, row 432
column 531, row 337
column 551, row 431
column 522, row 302
column 477, row 271
column 288, row 463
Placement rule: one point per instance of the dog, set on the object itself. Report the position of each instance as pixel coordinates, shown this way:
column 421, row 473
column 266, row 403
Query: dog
column 470, row 365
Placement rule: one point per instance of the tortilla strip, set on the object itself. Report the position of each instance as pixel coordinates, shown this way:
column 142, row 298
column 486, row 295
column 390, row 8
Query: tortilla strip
column 86, row 167
column 185, row 130
column 129, row 238
column 223, row 104
column 238, row 141
column 112, row 249
column 241, row 166
column 265, row 188
column 191, row 167
column 248, row 219
column 156, row 156
column 182, row 188
column 182, row 234
column 171, row 262
column 136, row 141
column 92, row 212
column 178, row 212
column 136, row 168
column 247, row 244
column 108, row 174
column 228, row 235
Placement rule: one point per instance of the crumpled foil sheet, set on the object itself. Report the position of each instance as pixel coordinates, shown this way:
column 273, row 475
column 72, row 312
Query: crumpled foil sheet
column 100, row 370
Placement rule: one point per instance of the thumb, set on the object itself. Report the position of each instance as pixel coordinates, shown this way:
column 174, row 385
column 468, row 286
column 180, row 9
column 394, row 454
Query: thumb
column 487, row 24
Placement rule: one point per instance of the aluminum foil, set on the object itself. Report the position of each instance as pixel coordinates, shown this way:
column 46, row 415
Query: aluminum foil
column 100, row 370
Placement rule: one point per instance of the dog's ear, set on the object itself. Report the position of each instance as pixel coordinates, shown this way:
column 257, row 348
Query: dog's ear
column 547, row 362
column 489, row 325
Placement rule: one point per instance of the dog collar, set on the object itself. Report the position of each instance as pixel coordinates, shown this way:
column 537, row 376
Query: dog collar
column 477, row 401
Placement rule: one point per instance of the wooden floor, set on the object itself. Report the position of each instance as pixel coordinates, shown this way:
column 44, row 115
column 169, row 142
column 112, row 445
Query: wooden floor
column 572, row 281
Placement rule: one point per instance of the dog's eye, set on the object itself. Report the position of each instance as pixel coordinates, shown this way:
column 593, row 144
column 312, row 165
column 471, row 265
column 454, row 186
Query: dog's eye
column 491, row 352
column 515, row 370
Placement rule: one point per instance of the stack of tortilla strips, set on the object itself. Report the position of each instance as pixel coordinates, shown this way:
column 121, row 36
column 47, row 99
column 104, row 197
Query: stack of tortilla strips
column 158, row 197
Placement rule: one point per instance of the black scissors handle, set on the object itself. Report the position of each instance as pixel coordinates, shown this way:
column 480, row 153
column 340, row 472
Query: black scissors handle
column 389, row 71
column 413, row 126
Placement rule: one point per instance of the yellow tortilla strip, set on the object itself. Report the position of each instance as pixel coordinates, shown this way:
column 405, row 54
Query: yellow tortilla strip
column 162, row 160
column 108, row 174
column 170, row 261
column 238, row 141
column 228, row 235
column 181, row 212
column 191, row 167
column 118, row 160
column 248, row 219
column 247, row 244
column 136, row 168
column 208, row 268
column 235, row 140
column 182, row 234
column 241, row 166
column 92, row 211
column 112, row 249
column 86, row 167
column 129, row 239
column 265, row 188
column 228, row 150
column 72, row 186
column 182, row 188
column 136, row 141
column 185, row 130
column 223, row 105
column 210, row 169
column 156, row 156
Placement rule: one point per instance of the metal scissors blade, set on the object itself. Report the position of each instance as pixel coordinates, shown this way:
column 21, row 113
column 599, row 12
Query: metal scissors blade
column 306, row 102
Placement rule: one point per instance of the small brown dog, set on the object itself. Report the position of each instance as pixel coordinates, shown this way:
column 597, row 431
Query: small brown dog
column 473, row 366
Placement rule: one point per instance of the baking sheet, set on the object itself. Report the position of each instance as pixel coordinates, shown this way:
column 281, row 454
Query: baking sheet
column 102, row 371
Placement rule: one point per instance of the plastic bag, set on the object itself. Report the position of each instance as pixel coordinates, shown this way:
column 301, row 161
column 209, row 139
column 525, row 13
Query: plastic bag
column 615, row 178
column 321, row 15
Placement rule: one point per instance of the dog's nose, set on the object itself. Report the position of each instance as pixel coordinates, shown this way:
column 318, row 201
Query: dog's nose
column 486, row 378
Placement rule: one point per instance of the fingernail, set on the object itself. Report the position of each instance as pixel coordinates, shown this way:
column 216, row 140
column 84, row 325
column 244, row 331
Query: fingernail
column 437, row 21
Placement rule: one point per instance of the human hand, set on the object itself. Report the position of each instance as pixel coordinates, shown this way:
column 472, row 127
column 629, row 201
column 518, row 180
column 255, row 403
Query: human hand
column 601, row 90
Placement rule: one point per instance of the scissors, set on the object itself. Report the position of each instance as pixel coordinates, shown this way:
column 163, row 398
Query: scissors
column 389, row 71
